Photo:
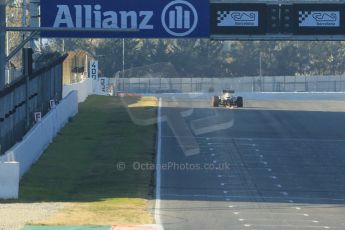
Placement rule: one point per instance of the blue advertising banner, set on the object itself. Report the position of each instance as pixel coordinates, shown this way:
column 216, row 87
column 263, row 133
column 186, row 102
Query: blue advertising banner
column 153, row 18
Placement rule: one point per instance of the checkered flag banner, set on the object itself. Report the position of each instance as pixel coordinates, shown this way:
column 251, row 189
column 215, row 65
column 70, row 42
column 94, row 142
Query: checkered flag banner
column 237, row 18
column 222, row 16
column 303, row 15
column 318, row 18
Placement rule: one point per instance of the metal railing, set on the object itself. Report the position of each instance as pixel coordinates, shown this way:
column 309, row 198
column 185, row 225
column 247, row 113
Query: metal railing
column 244, row 84
column 45, row 85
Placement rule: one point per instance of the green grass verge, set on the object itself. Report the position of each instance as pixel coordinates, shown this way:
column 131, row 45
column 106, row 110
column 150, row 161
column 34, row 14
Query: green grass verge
column 80, row 165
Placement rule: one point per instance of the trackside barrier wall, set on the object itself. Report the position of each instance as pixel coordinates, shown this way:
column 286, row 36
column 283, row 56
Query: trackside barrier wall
column 9, row 180
column 84, row 88
column 244, row 84
column 20, row 157
column 269, row 96
column 45, row 85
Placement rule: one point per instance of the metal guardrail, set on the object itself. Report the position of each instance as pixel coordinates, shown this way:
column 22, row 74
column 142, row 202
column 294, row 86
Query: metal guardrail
column 45, row 85
column 245, row 84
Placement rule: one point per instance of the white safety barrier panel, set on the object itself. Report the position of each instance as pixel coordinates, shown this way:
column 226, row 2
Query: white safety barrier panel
column 84, row 89
column 9, row 180
column 18, row 160
column 269, row 96
column 331, row 96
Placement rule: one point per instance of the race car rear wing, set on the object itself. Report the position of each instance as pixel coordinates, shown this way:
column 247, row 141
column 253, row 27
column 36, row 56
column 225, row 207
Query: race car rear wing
column 228, row 91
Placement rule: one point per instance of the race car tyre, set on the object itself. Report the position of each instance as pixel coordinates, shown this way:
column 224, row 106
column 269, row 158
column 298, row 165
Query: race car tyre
column 215, row 101
column 239, row 102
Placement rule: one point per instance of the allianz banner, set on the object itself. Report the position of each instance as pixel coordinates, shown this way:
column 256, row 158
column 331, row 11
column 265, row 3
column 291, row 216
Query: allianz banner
column 153, row 18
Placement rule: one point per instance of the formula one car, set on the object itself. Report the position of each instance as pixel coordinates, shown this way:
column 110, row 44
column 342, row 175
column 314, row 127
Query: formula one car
column 227, row 99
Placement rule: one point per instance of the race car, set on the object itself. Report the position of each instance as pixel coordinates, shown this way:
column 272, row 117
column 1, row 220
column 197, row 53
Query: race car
column 227, row 99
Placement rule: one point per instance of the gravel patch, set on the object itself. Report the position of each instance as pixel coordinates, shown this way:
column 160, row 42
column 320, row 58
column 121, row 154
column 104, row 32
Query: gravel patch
column 15, row 216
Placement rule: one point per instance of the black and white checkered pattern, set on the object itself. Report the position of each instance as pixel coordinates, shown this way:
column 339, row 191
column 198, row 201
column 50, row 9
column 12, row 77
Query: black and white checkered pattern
column 222, row 15
column 303, row 15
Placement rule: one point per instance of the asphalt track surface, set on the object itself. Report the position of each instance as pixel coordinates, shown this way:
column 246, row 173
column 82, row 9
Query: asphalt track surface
column 286, row 166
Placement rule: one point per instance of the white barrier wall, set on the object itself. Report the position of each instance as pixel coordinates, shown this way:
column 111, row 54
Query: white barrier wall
column 247, row 84
column 9, row 180
column 84, row 89
column 293, row 96
column 258, row 96
column 20, row 157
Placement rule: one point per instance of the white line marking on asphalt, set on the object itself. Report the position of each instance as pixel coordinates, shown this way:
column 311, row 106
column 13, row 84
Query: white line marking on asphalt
column 247, row 225
column 158, row 160
column 298, row 208
column 326, row 227
column 241, row 220
column 268, row 139
column 236, row 213
column 315, row 221
column 231, row 206
column 300, row 199
column 292, row 226
column 305, row 214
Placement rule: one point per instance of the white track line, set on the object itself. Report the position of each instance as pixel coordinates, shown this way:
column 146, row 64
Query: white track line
column 295, row 199
column 158, row 171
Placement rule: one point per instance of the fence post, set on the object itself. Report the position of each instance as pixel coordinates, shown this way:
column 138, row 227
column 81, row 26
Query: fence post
column 191, row 84
column 253, row 82
column 2, row 42
column 149, row 88
column 27, row 71
column 181, row 85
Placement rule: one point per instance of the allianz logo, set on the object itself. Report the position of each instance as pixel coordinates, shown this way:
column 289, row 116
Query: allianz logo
column 88, row 16
column 179, row 18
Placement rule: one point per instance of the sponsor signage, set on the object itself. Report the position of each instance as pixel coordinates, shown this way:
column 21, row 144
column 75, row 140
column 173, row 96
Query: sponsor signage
column 291, row 21
column 319, row 19
column 93, row 69
column 104, row 86
column 238, row 18
column 153, row 18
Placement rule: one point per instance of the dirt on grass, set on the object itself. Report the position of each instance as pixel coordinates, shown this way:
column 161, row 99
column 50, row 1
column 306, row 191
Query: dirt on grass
column 110, row 212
